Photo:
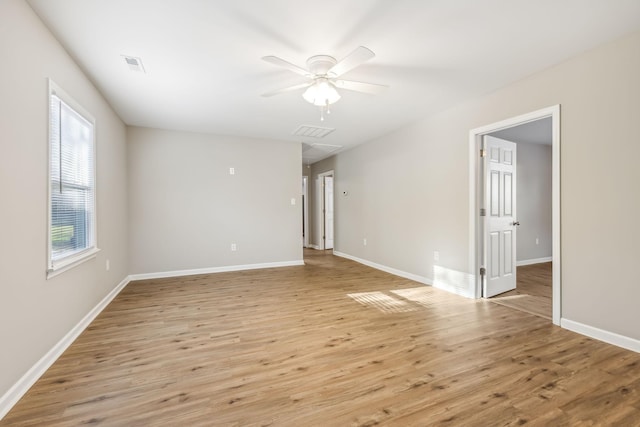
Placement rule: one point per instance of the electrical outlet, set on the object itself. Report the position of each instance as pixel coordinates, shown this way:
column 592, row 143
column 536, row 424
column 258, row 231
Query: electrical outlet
column 436, row 255
column 293, row 201
column 234, row 247
column 232, row 171
column 108, row 265
column 364, row 242
column 537, row 241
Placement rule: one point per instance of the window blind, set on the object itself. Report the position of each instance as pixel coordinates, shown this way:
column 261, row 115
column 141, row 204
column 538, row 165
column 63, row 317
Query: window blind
column 71, row 181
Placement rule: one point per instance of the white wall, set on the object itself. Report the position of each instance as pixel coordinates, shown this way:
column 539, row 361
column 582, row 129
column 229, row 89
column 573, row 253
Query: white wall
column 186, row 209
column 409, row 191
column 36, row 313
column 534, row 201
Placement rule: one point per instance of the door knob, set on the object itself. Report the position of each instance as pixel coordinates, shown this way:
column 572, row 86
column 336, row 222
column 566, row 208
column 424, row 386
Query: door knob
column 515, row 223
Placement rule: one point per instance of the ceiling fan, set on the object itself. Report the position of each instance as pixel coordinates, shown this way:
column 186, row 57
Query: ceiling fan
column 323, row 72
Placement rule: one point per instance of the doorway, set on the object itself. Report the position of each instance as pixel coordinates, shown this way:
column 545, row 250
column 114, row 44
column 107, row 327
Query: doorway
column 478, row 199
column 532, row 237
column 305, row 211
column 325, row 203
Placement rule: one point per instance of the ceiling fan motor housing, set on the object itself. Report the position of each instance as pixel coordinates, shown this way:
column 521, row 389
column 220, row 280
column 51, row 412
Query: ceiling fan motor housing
column 320, row 65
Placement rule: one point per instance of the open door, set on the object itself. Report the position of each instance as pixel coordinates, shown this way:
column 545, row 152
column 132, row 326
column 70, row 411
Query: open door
column 305, row 211
column 500, row 216
column 328, row 212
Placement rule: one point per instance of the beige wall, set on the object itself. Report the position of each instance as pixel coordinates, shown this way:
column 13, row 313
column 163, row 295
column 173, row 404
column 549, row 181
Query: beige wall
column 533, row 201
column 186, row 209
column 409, row 191
column 36, row 313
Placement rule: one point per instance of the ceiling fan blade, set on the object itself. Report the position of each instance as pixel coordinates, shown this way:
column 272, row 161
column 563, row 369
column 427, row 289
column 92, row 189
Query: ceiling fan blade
column 370, row 88
column 288, row 65
column 286, row 89
column 351, row 61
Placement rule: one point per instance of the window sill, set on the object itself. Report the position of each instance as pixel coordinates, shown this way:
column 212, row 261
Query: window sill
column 71, row 262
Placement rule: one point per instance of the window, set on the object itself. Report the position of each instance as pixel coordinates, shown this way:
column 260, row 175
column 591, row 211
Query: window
column 72, row 216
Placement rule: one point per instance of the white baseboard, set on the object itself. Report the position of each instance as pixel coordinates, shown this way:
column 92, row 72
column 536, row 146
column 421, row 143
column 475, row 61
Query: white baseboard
column 410, row 276
column 533, row 261
column 601, row 335
column 316, row 247
column 456, row 282
column 224, row 269
column 15, row 393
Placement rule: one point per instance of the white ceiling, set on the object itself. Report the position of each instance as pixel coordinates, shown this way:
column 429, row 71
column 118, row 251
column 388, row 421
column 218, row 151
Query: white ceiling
column 205, row 73
column 536, row 132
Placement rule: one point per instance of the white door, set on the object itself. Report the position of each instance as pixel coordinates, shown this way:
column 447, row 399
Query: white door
column 305, row 212
column 318, row 224
column 500, row 216
column 328, row 212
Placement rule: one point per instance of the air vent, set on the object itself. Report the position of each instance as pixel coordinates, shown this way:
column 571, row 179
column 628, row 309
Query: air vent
column 312, row 131
column 134, row 63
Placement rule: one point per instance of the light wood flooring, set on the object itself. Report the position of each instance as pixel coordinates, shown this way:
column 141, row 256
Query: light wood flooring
column 332, row 343
column 533, row 291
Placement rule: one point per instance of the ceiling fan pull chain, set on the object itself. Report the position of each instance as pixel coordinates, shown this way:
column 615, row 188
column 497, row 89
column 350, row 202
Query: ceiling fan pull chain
column 322, row 113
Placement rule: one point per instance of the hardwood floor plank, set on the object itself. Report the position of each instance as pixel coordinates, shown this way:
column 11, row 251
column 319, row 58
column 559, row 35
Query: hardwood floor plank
column 331, row 343
column 533, row 291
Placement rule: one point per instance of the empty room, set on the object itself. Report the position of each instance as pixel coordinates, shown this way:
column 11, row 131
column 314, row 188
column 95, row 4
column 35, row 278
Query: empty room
column 338, row 213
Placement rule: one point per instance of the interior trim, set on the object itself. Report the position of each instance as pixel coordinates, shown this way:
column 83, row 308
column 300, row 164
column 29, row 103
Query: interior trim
column 224, row 269
column 533, row 261
column 601, row 335
column 422, row 279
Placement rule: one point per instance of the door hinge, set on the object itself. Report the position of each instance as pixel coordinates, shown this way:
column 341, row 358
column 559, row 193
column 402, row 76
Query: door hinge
column 483, row 152
column 483, row 212
column 483, row 271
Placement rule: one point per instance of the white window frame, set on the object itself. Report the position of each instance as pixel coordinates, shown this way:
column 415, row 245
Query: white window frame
column 60, row 265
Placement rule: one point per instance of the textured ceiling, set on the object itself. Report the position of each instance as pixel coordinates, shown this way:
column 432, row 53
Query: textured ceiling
column 204, row 71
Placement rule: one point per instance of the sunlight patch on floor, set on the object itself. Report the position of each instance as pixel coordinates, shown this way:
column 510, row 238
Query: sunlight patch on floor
column 511, row 297
column 429, row 297
column 383, row 302
column 422, row 295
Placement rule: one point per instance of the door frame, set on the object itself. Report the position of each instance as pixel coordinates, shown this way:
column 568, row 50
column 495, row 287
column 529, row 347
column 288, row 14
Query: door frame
column 321, row 215
column 305, row 207
column 476, row 231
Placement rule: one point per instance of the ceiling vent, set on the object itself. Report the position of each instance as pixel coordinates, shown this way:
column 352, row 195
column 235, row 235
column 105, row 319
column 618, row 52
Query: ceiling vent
column 312, row 131
column 134, row 63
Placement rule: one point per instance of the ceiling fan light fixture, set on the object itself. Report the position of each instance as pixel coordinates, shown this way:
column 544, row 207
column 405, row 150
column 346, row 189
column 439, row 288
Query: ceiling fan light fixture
column 322, row 72
column 321, row 93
